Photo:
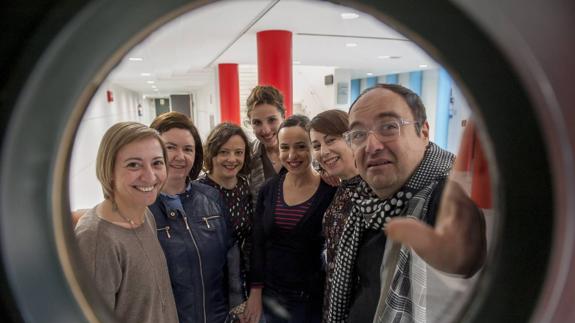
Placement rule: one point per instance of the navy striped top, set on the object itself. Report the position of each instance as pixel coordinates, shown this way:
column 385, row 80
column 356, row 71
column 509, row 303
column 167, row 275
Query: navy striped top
column 286, row 217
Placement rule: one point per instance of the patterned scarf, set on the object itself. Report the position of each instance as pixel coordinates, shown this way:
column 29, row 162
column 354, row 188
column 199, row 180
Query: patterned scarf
column 369, row 212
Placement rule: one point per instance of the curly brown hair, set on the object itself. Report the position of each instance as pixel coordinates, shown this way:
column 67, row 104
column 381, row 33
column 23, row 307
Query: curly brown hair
column 265, row 94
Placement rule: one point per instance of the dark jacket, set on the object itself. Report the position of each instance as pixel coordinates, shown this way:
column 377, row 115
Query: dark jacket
column 368, row 264
column 289, row 261
column 197, row 242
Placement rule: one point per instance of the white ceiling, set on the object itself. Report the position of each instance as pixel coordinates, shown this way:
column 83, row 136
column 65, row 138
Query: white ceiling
column 183, row 54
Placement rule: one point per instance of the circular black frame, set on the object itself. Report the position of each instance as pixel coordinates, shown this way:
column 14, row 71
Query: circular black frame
column 71, row 48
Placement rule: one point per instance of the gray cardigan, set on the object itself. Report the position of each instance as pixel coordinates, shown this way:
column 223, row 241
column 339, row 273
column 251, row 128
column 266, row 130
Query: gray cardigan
column 257, row 177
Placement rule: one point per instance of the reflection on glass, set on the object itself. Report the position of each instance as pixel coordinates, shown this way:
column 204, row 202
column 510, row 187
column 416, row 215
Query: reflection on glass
column 433, row 261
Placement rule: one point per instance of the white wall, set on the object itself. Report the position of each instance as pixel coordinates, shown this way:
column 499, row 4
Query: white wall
column 85, row 190
column 459, row 111
column 429, row 97
column 309, row 91
column 206, row 109
column 342, row 76
column 248, row 75
column 403, row 80
column 310, row 95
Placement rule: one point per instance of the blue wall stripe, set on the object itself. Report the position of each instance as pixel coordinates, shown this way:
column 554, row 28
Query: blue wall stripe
column 392, row 79
column 355, row 89
column 371, row 81
column 442, row 114
column 415, row 81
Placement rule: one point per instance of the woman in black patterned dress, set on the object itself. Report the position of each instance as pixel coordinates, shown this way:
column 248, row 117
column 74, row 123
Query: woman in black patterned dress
column 226, row 164
column 336, row 158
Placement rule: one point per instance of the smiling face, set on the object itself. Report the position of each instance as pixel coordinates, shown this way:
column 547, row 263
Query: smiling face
column 139, row 173
column 230, row 158
column 387, row 167
column 180, row 145
column 295, row 149
column 333, row 154
column 265, row 120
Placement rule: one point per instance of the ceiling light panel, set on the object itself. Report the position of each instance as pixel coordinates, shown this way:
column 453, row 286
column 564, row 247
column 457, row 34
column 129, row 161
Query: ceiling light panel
column 349, row 16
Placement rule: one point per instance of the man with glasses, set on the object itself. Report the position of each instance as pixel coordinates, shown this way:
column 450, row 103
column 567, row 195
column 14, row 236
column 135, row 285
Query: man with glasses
column 404, row 174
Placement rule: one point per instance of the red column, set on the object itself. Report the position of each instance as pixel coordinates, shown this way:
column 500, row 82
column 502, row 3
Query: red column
column 229, row 93
column 471, row 158
column 481, row 184
column 275, row 62
column 466, row 149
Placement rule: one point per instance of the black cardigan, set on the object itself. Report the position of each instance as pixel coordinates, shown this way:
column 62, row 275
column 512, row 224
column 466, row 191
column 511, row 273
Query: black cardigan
column 288, row 261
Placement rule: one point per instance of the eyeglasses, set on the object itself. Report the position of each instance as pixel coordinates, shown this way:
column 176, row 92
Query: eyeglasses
column 384, row 131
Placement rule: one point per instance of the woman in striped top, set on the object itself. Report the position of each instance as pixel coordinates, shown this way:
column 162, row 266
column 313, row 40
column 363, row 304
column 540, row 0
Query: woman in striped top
column 286, row 273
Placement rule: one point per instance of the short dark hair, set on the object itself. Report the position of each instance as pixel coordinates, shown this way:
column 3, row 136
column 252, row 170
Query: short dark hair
column 330, row 122
column 265, row 94
column 217, row 138
column 169, row 120
column 411, row 98
column 295, row 120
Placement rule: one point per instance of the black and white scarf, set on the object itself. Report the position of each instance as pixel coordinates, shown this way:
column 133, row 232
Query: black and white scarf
column 371, row 212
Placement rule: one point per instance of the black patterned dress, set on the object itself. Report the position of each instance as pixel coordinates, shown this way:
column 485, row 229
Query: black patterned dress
column 334, row 220
column 239, row 202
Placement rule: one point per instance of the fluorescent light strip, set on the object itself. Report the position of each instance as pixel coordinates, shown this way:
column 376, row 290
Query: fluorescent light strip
column 388, row 57
column 349, row 15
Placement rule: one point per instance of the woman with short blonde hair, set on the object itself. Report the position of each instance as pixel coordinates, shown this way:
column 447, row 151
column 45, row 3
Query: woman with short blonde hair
column 117, row 238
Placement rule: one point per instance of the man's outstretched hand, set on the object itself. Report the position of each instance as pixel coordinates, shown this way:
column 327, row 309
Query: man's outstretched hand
column 457, row 243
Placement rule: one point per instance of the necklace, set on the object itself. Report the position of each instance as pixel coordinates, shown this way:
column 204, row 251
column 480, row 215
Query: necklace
column 127, row 219
column 271, row 158
column 141, row 244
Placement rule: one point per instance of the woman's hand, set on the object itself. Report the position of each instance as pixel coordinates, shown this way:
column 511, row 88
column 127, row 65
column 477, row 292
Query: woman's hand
column 253, row 311
column 333, row 181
